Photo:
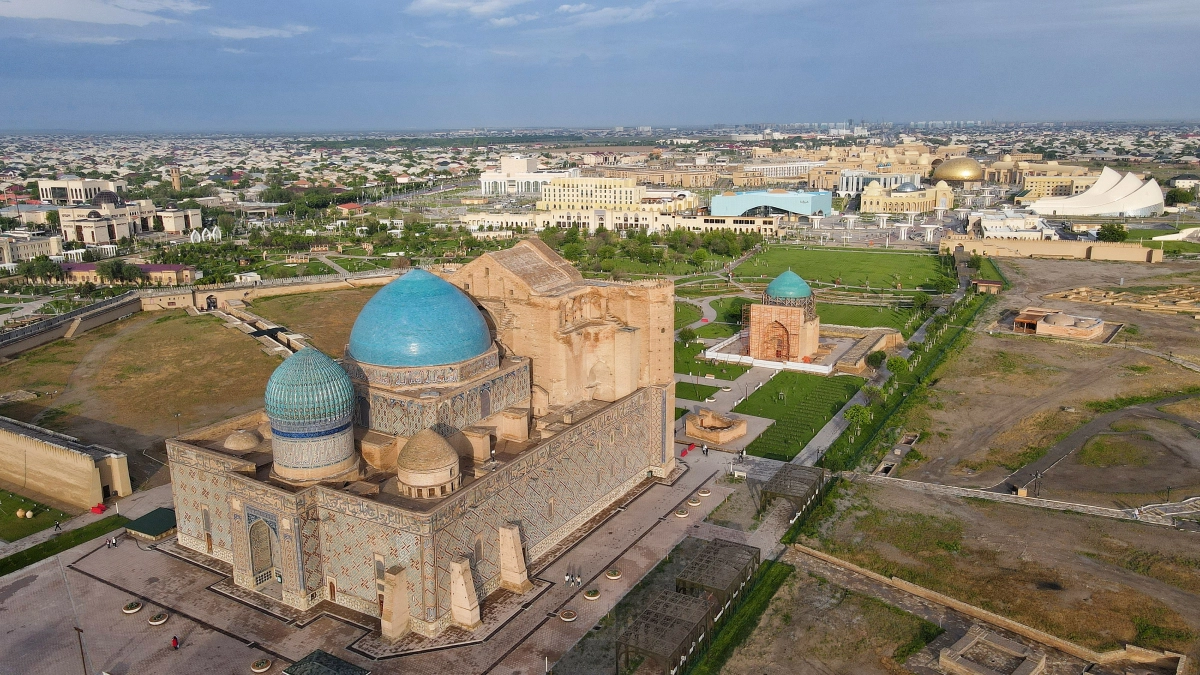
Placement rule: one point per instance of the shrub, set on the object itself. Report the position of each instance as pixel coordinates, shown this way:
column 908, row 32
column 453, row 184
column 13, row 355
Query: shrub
column 876, row 359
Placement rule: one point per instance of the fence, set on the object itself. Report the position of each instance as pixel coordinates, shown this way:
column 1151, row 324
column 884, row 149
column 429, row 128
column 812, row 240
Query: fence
column 44, row 325
column 268, row 283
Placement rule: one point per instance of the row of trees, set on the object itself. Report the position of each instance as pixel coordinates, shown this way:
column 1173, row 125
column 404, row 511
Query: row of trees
column 43, row 269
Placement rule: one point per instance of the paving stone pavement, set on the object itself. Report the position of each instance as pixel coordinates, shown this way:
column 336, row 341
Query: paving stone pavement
column 87, row 586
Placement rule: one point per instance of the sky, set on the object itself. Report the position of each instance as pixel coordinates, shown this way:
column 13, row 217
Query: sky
column 393, row 65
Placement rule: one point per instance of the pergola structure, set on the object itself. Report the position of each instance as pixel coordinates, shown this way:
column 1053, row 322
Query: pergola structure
column 719, row 573
column 801, row 485
column 667, row 633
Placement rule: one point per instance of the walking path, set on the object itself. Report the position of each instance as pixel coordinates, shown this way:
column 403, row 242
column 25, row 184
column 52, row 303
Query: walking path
column 336, row 267
column 1075, row 440
column 135, row 505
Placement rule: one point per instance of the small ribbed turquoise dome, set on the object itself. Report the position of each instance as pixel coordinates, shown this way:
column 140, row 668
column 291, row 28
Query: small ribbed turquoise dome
column 309, row 387
column 418, row 320
column 789, row 285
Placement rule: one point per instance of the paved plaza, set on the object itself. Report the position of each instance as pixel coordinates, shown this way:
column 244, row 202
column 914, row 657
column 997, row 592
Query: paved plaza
column 220, row 633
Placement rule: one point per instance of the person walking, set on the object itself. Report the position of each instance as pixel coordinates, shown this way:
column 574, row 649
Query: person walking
column 175, row 643
column 57, row 526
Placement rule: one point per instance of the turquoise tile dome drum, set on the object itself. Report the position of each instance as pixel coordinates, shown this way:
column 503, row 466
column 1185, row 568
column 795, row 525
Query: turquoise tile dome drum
column 310, row 403
column 789, row 285
column 309, row 387
column 418, row 320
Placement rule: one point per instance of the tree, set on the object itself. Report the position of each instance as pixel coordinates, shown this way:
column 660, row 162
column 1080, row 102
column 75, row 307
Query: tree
column 920, row 301
column 1112, row 232
column 573, row 251
column 876, row 359
column 874, row 394
column 1179, row 196
column 897, row 364
column 857, row 415
column 945, row 284
column 699, row 257
column 686, row 336
column 41, row 268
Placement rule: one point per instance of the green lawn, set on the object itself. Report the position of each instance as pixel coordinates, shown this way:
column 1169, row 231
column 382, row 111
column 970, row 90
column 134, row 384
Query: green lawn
column 685, row 313
column 989, row 270
column 717, row 330
column 60, row 543
column 686, row 362
column 855, row 267
column 13, row 528
column 361, row 264
column 866, row 317
column 680, row 412
column 694, row 392
column 800, row 404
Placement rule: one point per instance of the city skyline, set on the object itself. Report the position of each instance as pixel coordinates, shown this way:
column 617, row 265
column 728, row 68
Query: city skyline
column 190, row 66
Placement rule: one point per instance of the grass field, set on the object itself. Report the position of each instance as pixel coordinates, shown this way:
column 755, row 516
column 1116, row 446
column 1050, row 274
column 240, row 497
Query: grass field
column 854, row 267
column 326, row 317
column 694, row 392
column 13, row 528
column 361, row 264
column 60, row 543
column 989, row 270
column 118, row 385
column 800, row 404
column 685, row 313
column 866, row 317
column 717, row 330
column 686, row 362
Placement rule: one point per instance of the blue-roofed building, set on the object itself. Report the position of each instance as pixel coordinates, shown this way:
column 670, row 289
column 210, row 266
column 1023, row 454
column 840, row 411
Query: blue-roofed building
column 772, row 202
column 414, row 479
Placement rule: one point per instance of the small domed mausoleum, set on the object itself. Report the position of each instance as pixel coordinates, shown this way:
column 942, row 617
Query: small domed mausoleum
column 784, row 327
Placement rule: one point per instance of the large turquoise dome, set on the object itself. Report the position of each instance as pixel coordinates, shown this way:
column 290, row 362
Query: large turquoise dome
column 789, row 285
column 307, row 388
column 418, row 320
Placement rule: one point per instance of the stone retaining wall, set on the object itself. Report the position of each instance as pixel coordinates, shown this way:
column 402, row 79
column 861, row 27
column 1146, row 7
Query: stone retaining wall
column 1129, row 653
column 935, row 488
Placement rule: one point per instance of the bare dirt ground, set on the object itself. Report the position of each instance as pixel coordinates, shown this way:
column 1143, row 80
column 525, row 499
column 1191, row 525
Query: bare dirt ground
column 739, row 511
column 1098, row 582
column 325, row 317
column 121, row 384
column 1130, row 467
column 814, row 627
column 1000, row 402
column 1032, row 279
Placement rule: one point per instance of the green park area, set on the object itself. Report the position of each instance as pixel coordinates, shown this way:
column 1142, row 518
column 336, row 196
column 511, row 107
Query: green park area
column 800, row 404
column 685, row 313
column 13, row 528
column 61, row 542
column 694, row 392
column 853, row 267
column 686, row 363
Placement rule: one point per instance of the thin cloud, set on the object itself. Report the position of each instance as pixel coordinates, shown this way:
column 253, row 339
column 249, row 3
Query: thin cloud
column 573, row 9
column 258, row 32
column 108, row 12
column 473, row 7
column 506, row 21
column 612, row 16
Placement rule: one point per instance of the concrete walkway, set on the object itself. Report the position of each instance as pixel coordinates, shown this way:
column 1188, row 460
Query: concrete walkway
column 336, row 267
column 135, row 505
column 1075, row 440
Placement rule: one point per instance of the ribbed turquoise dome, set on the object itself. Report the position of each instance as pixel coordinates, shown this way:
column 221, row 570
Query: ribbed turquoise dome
column 419, row 320
column 309, row 387
column 789, row 285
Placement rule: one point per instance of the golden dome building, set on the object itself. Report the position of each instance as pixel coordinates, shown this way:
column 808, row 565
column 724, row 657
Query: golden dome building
column 959, row 170
column 416, row 476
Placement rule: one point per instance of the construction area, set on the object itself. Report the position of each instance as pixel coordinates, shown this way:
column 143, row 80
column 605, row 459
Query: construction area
column 1172, row 300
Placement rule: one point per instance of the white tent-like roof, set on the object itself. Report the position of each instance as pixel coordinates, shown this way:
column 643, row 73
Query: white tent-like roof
column 1110, row 195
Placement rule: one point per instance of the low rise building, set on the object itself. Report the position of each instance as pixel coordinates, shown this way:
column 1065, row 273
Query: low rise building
column 520, row 176
column 177, row 221
column 906, row 197
column 106, row 220
column 1055, row 323
column 1009, row 224
column 18, row 247
column 615, row 194
column 590, row 221
column 158, row 275
column 74, row 190
column 854, row 181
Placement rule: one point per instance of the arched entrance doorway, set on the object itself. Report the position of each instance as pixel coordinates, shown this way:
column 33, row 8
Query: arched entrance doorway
column 264, row 559
column 210, row 303
column 777, row 340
